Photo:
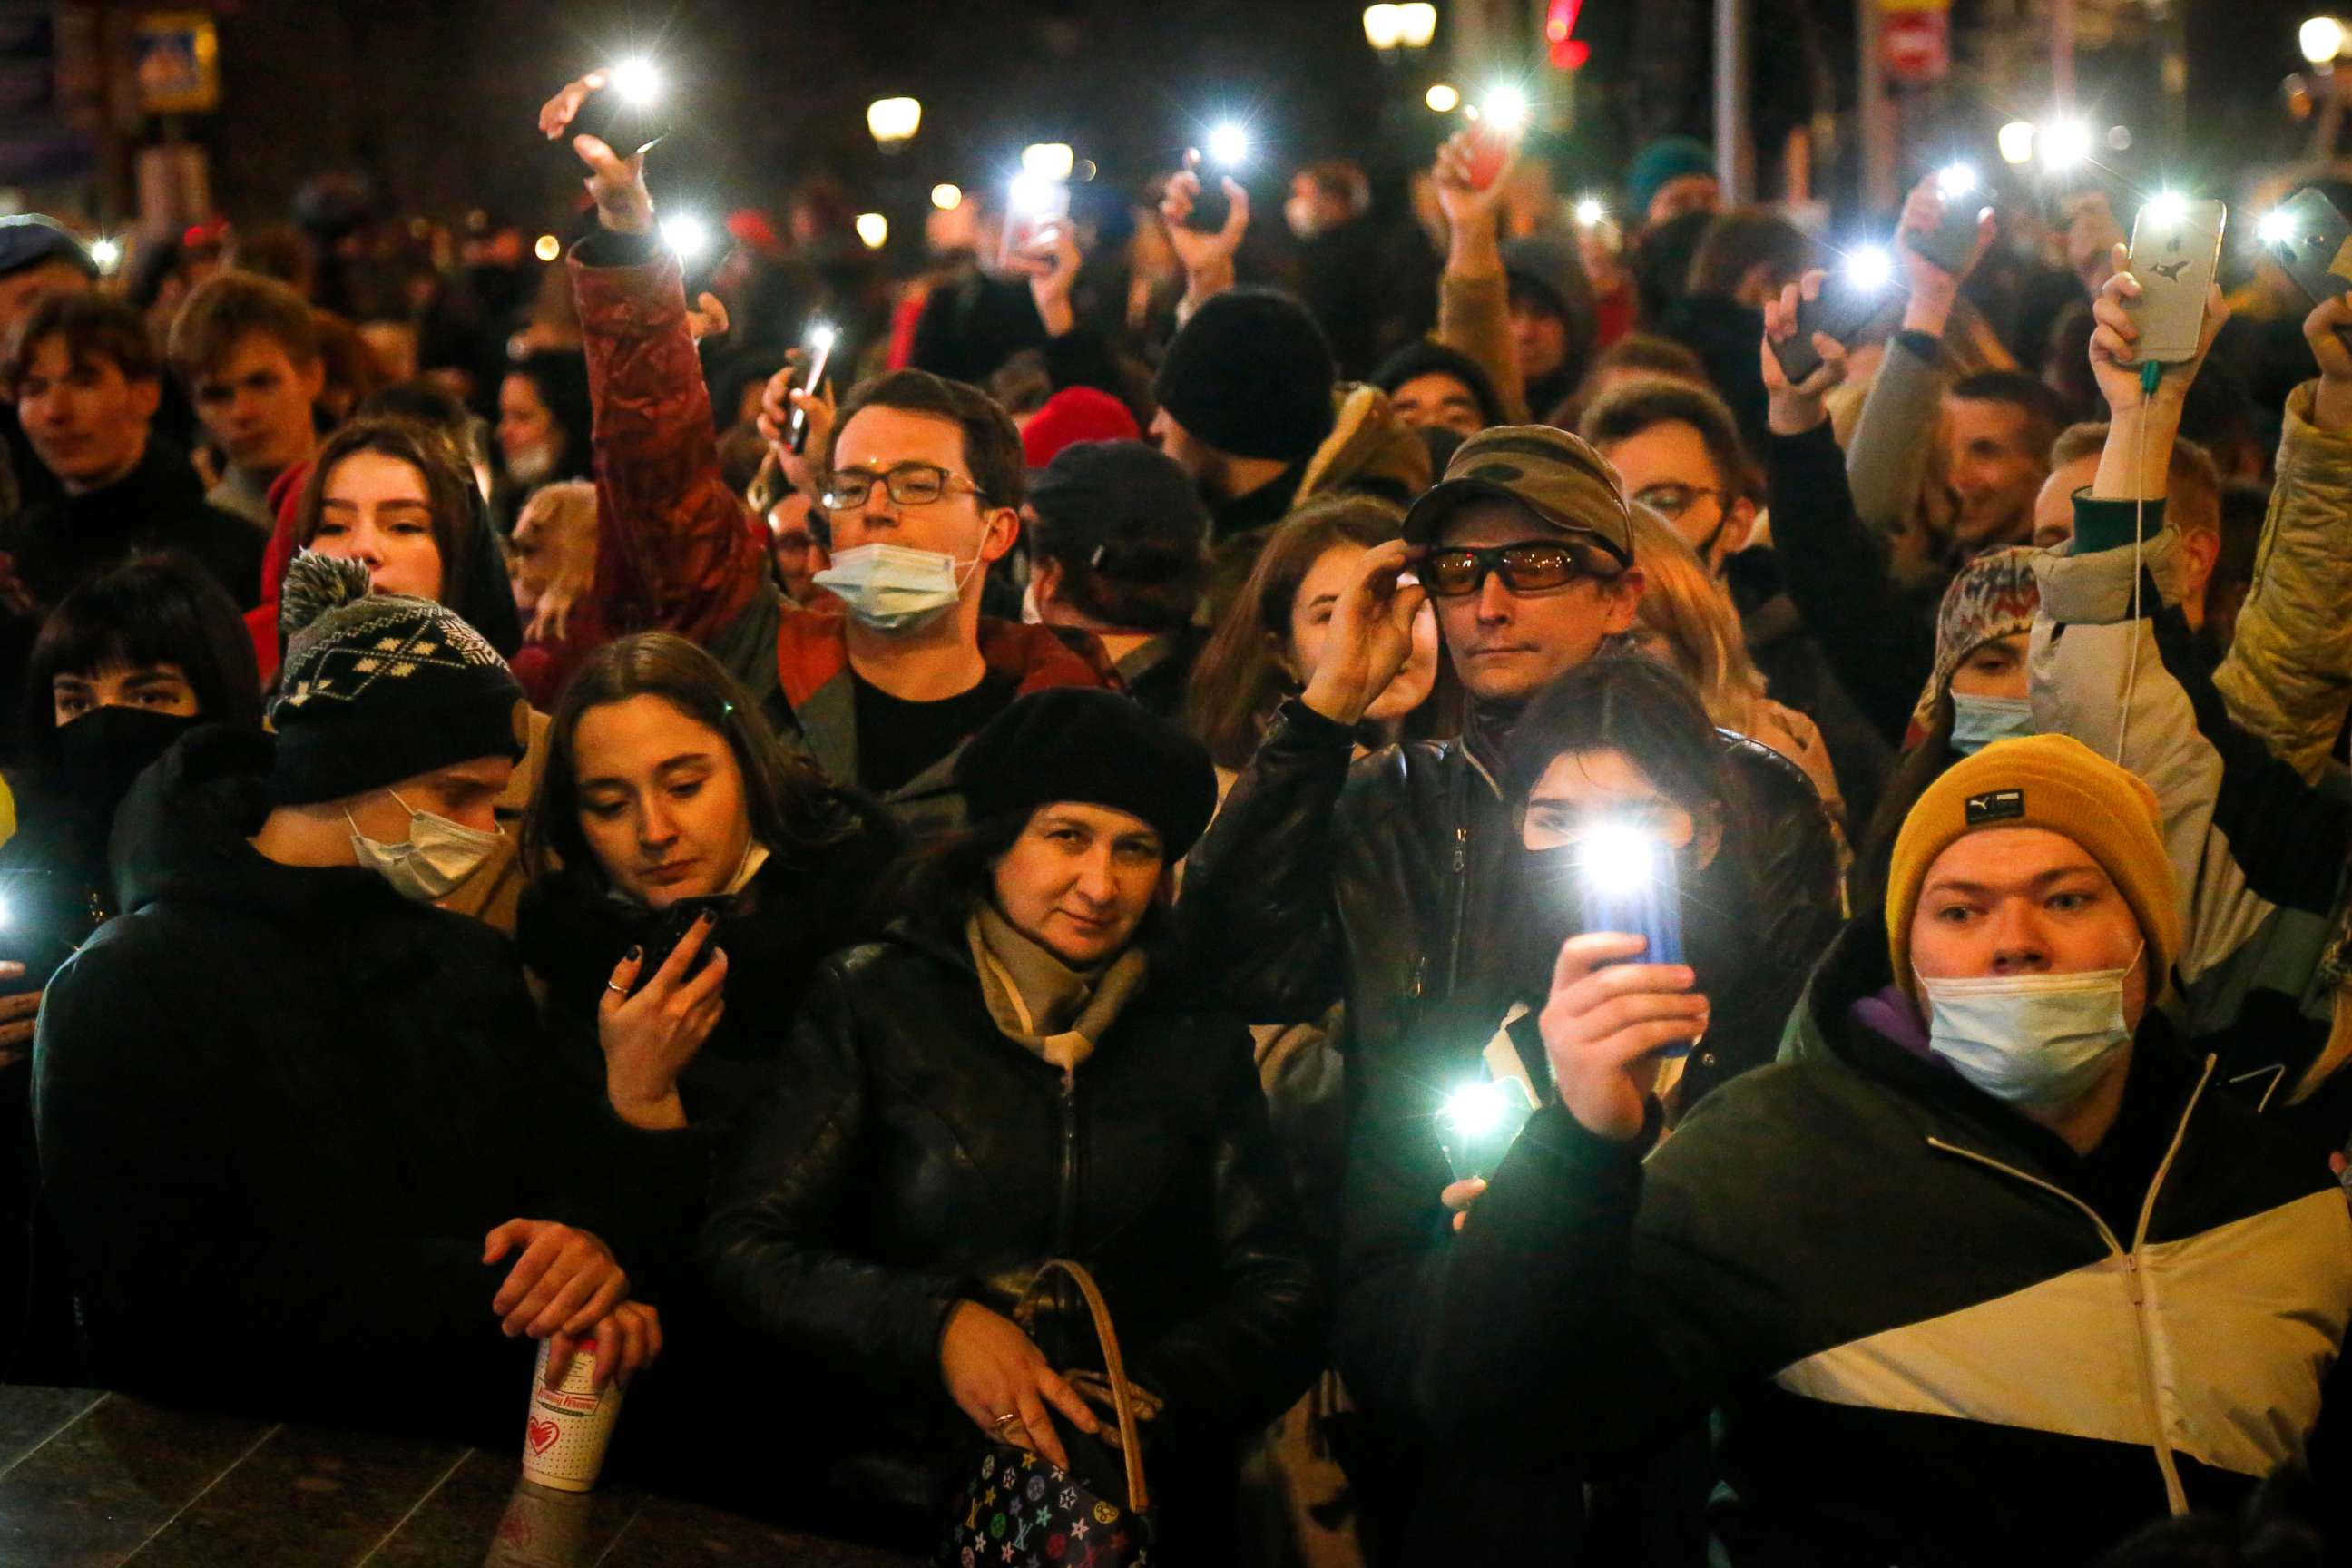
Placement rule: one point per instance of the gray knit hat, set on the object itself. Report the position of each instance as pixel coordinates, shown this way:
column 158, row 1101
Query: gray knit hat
column 378, row 688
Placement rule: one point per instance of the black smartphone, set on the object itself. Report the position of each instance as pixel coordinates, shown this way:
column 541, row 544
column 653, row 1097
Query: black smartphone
column 1851, row 298
column 1476, row 1124
column 816, row 354
column 1951, row 243
column 676, row 922
column 2312, row 242
column 628, row 125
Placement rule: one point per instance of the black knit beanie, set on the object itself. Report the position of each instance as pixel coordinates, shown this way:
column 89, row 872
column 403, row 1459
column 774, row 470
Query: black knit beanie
column 1251, row 374
column 1080, row 744
column 378, row 688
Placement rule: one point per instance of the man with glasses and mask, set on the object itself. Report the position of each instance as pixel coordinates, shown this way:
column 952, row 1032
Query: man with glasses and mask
column 1677, row 448
column 1387, row 883
column 923, row 484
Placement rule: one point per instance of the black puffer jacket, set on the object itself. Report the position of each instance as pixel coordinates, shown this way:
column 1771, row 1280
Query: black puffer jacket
column 282, row 1108
column 915, row 1158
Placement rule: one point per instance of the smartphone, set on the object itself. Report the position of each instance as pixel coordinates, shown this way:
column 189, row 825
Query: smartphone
column 1851, row 298
column 1477, row 1122
column 817, row 355
column 2312, row 242
column 627, row 128
column 1951, row 243
column 672, row 928
column 1629, row 883
column 1032, row 209
column 2176, row 248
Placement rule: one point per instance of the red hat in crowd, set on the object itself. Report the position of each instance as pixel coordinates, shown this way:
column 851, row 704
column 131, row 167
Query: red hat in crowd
column 1073, row 415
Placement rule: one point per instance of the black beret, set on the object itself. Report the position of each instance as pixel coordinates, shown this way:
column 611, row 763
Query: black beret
column 1096, row 747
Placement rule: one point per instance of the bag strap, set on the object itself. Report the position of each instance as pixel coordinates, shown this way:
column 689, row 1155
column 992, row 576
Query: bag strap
column 1122, row 1395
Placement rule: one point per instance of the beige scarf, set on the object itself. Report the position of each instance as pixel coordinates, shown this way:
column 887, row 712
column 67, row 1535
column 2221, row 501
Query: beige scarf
column 1040, row 1003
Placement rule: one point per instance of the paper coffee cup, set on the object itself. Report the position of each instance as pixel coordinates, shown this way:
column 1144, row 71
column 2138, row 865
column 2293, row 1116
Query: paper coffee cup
column 542, row 1528
column 564, row 1435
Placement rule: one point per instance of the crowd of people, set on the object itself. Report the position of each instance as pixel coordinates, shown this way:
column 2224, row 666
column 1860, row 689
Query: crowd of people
column 536, row 817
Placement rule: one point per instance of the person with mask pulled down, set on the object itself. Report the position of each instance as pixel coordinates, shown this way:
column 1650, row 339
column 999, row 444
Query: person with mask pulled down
column 923, row 490
column 391, row 1167
column 1986, row 1268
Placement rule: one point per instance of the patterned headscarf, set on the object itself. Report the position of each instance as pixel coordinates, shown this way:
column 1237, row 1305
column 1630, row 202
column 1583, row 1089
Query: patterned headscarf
column 1994, row 596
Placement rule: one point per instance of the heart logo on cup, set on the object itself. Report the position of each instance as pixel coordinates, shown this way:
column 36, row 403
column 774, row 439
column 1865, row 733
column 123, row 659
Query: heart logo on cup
column 540, row 1435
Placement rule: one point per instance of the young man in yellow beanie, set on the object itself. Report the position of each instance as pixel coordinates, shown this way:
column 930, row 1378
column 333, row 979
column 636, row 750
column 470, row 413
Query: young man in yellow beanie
column 1985, row 1269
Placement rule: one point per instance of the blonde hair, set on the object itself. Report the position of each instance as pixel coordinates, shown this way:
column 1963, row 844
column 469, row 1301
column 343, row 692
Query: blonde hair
column 1690, row 622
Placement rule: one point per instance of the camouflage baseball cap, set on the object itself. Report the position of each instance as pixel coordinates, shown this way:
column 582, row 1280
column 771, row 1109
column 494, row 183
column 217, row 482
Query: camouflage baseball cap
column 1558, row 478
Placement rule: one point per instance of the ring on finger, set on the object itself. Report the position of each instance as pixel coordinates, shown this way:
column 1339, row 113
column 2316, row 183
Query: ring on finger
column 1007, row 1419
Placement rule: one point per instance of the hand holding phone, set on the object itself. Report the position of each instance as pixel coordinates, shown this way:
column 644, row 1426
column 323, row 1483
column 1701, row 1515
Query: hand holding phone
column 1477, row 1122
column 1849, row 298
column 817, row 355
column 1956, row 201
column 2176, row 249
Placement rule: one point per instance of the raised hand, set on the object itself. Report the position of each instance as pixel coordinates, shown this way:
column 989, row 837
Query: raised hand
column 1051, row 264
column 1798, row 408
column 778, row 400
column 2115, row 359
column 1606, row 1022
column 616, row 184
column 2324, row 330
column 1371, row 635
column 1208, row 258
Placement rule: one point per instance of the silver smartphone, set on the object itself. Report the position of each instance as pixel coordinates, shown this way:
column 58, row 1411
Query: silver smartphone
column 2176, row 249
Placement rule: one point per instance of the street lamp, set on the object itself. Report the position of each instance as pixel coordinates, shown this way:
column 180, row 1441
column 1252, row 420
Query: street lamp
column 946, row 197
column 893, row 122
column 1416, row 25
column 1443, row 99
column 1383, row 27
column 2321, row 39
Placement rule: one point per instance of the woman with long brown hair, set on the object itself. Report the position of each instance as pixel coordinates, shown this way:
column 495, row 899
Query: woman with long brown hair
column 681, row 854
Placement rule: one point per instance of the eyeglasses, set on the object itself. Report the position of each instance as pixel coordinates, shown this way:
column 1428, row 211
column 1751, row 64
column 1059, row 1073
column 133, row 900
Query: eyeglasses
column 1672, row 500
column 1533, row 567
column 908, row 484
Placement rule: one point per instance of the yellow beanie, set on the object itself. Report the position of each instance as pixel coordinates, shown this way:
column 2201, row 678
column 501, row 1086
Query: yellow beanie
column 2052, row 781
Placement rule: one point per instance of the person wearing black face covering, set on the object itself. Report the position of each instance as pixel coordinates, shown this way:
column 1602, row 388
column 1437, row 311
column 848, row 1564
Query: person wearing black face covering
column 125, row 664
column 1617, row 749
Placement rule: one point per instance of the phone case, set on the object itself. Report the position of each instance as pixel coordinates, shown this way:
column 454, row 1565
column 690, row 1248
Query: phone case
column 626, row 128
column 1842, row 311
column 1653, row 911
column 1950, row 243
column 2319, row 257
column 1023, row 227
column 2175, row 263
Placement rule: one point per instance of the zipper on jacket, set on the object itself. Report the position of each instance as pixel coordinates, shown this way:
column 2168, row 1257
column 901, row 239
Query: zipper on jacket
column 1066, row 1219
column 2175, row 1496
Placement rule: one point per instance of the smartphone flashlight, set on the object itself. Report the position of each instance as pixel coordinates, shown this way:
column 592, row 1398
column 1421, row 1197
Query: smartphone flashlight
column 687, row 235
column 821, row 336
column 2276, row 228
column 1507, row 106
column 1954, row 181
column 637, row 82
column 1477, row 1122
column 1869, row 268
column 1229, row 144
column 2167, row 209
column 1591, row 212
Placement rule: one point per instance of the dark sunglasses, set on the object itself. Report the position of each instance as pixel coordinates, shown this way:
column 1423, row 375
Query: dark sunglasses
column 1536, row 566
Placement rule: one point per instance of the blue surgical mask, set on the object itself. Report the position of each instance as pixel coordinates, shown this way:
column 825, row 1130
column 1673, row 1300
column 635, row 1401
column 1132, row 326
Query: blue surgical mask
column 890, row 588
column 2038, row 1042
column 1979, row 722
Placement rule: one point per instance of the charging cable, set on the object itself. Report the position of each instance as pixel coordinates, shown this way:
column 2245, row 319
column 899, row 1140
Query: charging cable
column 2150, row 375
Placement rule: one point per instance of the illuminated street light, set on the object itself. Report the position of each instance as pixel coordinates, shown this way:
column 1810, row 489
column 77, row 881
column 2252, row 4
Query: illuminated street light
column 894, row 121
column 946, row 197
column 1416, row 25
column 1383, row 27
column 2322, row 39
column 1048, row 160
column 873, row 229
column 1443, row 99
column 2016, row 141
column 547, row 249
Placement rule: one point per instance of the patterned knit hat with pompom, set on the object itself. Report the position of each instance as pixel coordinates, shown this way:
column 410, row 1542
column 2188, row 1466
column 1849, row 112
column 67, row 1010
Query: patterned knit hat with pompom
column 378, row 688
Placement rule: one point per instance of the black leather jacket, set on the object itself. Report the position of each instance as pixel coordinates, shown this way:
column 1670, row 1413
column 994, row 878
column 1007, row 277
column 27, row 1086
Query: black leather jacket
column 914, row 1158
column 1381, row 884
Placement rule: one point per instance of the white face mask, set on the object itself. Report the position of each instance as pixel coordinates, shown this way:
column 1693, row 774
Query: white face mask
column 890, row 588
column 440, row 855
column 1979, row 722
column 1300, row 214
column 2037, row 1041
column 532, row 464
